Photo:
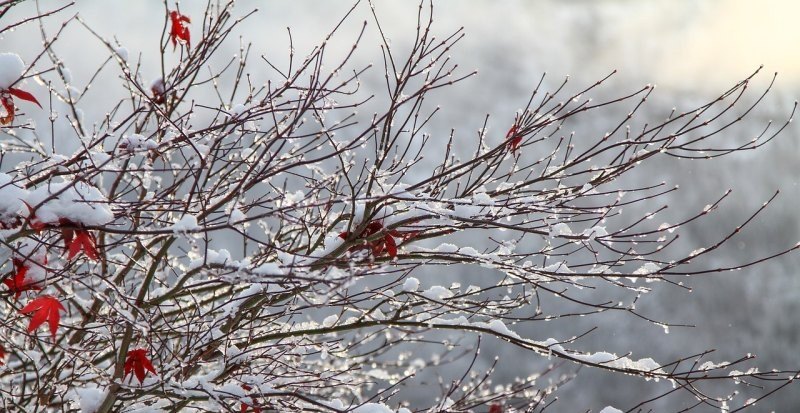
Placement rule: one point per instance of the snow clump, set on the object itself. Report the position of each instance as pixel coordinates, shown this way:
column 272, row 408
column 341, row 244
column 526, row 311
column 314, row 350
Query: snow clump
column 11, row 68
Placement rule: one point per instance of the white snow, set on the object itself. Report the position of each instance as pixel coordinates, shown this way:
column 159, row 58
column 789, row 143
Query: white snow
column 612, row 360
column 269, row 268
column 373, row 408
column 437, row 292
column 499, row 327
column 76, row 201
column 157, row 86
column 469, row 251
column 594, row 232
column 330, row 320
column 34, row 256
column 411, row 284
column 136, row 142
column 597, row 358
column 11, row 197
column 233, row 305
column 560, row 229
column 482, row 198
column 647, row 268
column 466, row 211
column 11, row 67
column 122, row 53
column 610, row 409
column 551, row 344
column 447, row 248
column 558, row 267
column 187, row 222
column 330, row 243
column 238, row 109
column 495, row 325
column 90, row 397
column 236, row 215
column 66, row 74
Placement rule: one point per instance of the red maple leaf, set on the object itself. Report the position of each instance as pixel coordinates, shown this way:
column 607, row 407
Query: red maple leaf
column 83, row 241
column 16, row 283
column 137, row 362
column 77, row 240
column 495, row 408
column 7, row 100
column 45, row 308
column 514, row 138
column 387, row 243
column 2, row 354
column 34, row 222
column 179, row 30
column 245, row 406
column 391, row 246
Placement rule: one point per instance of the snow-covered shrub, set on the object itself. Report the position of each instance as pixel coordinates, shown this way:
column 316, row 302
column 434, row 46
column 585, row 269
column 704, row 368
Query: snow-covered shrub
column 220, row 241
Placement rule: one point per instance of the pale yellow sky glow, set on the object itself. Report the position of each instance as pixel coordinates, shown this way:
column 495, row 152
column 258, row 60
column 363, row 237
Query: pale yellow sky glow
column 737, row 35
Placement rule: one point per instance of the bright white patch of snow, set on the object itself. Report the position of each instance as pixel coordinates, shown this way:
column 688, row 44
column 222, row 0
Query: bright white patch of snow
column 90, row 398
column 122, row 53
column 236, row 215
column 136, row 142
column 188, row 222
column 76, row 201
column 269, row 268
column 66, row 74
column 559, row 267
column 552, row 344
column 469, row 251
column 594, row 232
column 329, row 321
column 238, row 109
column 373, row 408
column 560, row 229
column 445, row 247
column 11, row 68
column 437, row 292
column 34, row 258
column 647, row 268
column 610, row 409
column 482, row 198
column 11, row 197
column 411, row 284
column 233, row 305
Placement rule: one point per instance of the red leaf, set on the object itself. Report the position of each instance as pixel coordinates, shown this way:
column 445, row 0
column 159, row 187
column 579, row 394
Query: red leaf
column 344, row 234
column 45, row 308
column 179, row 32
column 137, row 362
column 391, row 246
column 372, row 228
column 515, row 138
column 244, row 406
column 2, row 354
column 83, row 241
column 24, row 96
column 377, row 248
column 34, row 222
column 8, row 104
column 16, row 283
column 495, row 408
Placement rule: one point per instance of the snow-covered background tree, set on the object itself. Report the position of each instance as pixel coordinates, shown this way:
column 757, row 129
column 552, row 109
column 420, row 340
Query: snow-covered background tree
column 291, row 229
